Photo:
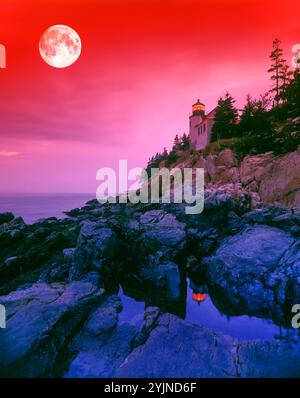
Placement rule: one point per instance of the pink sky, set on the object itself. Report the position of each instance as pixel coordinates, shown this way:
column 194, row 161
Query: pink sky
column 142, row 66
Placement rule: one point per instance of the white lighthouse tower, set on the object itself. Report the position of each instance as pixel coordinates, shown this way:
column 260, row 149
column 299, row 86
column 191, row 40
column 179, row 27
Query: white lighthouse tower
column 198, row 114
column 200, row 126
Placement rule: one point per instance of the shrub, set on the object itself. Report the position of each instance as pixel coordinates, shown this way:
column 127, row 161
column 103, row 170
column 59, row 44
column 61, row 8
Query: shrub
column 288, row 140
column 279, row 142
column 179, row 144
column 171, row 158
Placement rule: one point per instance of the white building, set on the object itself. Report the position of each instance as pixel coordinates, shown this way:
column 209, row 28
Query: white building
column 200, row 126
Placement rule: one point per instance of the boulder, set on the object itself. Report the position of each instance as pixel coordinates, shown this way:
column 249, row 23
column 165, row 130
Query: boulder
column 224, row 175
column 97, row 249
column 104, row 319
column 285, row 280
column 101, row 359
column 210, row 165
column 280, row 183
column 226, row 158
column 280, row 217
column 241, row 265
column 253, row 167
column 161, row 228
column 40, row 320
column 102, row 345
column 226, row 198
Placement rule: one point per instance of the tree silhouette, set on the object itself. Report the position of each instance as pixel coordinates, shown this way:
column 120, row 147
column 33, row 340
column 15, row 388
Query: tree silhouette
column 280, row 73
column 254, row 117
column 176, row 142
column 225, row 118
column 292, row 95
column 185, row 142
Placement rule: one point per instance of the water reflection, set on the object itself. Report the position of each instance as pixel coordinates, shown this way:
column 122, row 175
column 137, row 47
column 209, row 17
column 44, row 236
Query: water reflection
column 199, row 292
column 198, row 306
column 132, row 312
column 199, row 297
column 241, row 326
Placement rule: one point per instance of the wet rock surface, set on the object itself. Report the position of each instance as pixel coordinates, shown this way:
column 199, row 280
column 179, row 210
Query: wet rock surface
column 60, row 281
column 41, row 318
column 102, row 345
column 192, row 351
column 246, row 269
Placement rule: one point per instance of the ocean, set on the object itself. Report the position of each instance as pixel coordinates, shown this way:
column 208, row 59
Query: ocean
column 35, row 206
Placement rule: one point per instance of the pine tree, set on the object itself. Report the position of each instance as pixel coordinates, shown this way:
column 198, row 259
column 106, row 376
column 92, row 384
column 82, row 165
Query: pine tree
column 176, row 143
column 254, row 117
column 292, row 95
column 287, row 75
column 185, row 142
column 165, row 153
column 225, row 118
column 280, row 72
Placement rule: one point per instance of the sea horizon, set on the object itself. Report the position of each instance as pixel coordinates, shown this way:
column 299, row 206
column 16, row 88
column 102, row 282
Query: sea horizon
column 34, row 206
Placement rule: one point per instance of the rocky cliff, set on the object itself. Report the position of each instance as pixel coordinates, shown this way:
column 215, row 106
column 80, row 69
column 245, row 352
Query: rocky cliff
column 272, row 180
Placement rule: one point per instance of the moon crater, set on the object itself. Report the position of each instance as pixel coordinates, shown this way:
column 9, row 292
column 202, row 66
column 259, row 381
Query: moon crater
column 60, row 46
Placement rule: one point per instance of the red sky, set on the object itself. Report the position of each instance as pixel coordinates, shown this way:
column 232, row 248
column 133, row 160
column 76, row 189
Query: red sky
column 142, row 66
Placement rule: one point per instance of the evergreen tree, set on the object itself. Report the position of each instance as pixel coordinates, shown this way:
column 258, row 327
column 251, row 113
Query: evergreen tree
column 255, row 118
column 292, row 94
column 176, row 143
column 280, row 72
column 225, row 118
column 185, row 142
column 287, row 76
column 165, row 153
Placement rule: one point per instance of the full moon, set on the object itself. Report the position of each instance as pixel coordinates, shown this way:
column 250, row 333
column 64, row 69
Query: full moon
column 60, row 46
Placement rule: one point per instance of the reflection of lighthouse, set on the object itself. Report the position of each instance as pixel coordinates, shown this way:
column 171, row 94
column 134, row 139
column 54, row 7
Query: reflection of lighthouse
column 199, row 293
column 199, row 297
